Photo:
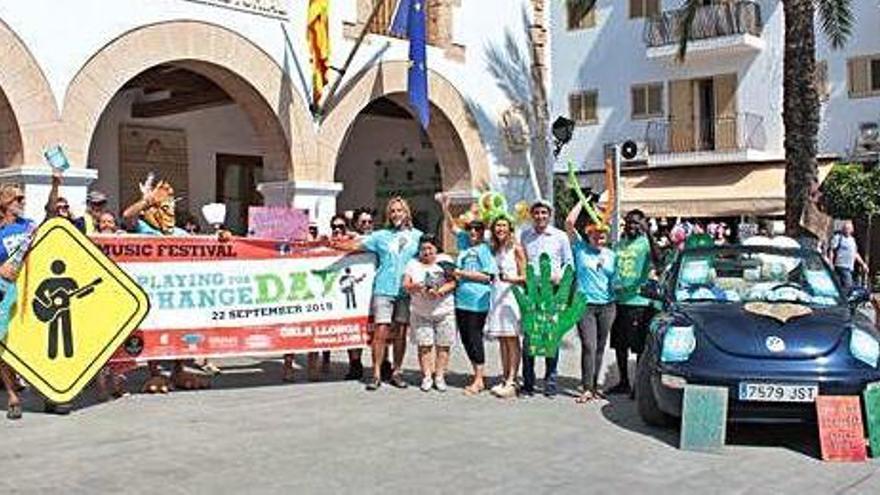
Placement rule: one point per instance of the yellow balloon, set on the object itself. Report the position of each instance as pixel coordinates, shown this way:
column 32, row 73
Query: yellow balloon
column 521, row 209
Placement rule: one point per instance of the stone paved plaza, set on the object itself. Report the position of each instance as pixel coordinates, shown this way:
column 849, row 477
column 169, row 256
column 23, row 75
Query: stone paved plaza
column 251, row 435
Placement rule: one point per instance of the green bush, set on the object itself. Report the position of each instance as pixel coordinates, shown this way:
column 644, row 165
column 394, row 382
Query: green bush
column 852, row 192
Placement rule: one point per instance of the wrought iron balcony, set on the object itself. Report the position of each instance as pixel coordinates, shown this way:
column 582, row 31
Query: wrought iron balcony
column 734, row 133
column 728, row 19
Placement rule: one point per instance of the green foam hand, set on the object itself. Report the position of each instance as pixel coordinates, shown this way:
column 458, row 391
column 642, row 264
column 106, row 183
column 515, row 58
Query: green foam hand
column 547, row 315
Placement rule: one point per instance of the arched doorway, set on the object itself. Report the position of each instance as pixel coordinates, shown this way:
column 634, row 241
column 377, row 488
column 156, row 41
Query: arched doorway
column 11, row 152
column 369, row 130
column 200, row 104
column 28, row 113
column 178, row 124
column 387, row 154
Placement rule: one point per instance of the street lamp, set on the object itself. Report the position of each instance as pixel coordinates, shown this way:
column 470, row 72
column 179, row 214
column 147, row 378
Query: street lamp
column 562, row 130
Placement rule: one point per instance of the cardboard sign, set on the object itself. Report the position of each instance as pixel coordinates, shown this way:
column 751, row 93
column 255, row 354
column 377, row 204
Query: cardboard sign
column 872, row 412
column 703, row 418
column 840, row 428
column 278, row 222
column 75, row 308
column 816, row 222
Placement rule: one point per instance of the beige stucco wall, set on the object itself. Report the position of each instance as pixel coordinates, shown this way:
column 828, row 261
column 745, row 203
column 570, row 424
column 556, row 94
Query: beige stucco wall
column 298, row 147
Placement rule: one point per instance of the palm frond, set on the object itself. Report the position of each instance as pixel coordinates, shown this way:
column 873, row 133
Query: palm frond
column 688, row 13
column 837, row 20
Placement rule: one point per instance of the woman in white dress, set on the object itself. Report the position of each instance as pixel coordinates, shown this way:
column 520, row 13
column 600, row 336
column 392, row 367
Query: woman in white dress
column 503, row 320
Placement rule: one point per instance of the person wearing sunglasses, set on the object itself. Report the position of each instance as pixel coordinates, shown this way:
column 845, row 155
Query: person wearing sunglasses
column 475, row 272
column 62, row 208
column 339, row 230
column 363, row 223
column 15, row 233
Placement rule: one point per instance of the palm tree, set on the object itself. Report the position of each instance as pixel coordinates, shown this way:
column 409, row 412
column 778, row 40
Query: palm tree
column 800, row 114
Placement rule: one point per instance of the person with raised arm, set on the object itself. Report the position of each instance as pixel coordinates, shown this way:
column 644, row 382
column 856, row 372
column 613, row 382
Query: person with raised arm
column 394, row 246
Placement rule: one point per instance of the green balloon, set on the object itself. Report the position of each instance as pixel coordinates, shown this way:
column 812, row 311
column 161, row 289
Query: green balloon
column 548, row 313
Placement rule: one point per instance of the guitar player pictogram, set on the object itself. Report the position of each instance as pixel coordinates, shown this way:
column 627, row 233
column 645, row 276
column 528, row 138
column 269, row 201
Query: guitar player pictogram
column 52, row 306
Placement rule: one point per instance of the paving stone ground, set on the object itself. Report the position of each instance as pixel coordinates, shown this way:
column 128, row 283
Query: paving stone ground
column 250, row 434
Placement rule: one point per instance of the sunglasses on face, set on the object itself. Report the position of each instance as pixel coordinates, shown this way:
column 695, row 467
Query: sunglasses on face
column 62, row 207
column 338, row 227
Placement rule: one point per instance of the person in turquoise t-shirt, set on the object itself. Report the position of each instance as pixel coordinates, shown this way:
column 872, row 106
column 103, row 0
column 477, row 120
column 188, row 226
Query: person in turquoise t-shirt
column 475, row 272
column 595, row 267
column 635, row 252
column 394, row 247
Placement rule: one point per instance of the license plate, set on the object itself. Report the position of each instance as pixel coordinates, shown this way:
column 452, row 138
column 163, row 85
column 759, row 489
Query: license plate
column 778, row 392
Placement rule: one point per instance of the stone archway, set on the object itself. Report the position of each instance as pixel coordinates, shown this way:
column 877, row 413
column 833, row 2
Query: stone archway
column 453, row 130
column 26, row 101
column 249, row 75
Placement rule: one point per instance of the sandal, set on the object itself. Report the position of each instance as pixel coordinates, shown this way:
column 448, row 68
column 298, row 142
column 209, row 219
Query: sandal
column 13, row 411
column 185, row 380
column 373, row 385
column 397, row 381
column 210, row 368
column 157, row 385
column 471, row 390
column 585, row 397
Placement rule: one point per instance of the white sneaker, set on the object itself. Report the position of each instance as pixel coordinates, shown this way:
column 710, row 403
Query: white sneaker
column 507, row 391
column 427, row 383
column 440, row 383
column 497, row 388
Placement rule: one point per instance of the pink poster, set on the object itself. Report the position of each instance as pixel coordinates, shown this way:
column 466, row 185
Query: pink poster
column 278, row 222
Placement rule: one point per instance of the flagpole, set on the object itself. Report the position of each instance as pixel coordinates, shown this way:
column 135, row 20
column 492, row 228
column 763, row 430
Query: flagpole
column 348, row 61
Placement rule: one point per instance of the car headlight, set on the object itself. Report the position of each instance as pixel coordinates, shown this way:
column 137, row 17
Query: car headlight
column 864, row 347
column 678, row 344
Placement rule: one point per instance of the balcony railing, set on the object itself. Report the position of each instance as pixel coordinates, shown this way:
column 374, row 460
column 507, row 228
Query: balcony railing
column 743, row 131
column 711, row 21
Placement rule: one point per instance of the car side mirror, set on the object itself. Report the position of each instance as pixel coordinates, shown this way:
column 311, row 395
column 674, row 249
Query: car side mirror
column 653, row 290
column 858, row 295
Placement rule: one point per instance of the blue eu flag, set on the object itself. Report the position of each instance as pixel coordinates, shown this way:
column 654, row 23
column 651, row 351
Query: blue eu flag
column 410, row 21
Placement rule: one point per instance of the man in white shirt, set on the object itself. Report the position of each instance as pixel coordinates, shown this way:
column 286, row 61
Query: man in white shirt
column 541, row 238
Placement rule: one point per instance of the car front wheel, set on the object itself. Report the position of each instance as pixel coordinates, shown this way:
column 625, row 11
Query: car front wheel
column 646, row 402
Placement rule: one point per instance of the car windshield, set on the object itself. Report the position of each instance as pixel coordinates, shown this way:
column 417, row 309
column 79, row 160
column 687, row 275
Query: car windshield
column 755, row 274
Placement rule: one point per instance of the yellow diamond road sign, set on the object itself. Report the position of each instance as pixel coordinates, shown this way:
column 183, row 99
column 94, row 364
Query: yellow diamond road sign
column 75, row 307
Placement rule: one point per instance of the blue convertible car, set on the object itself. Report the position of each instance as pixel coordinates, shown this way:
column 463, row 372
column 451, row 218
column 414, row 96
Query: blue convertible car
column 767, row 323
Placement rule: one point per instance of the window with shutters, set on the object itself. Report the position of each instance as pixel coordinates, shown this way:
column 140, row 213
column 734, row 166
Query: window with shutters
column 583, row 107
column 436, row 28
column 821, row 80
column 643, row 8
column 581, row 14
column 647, row 101
column 864, row 76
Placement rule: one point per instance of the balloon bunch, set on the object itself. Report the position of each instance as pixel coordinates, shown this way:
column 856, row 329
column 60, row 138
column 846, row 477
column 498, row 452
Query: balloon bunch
column 492, row 205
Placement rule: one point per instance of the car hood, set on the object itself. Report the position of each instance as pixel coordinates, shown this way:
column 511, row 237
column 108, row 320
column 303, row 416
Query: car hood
column 734, row 330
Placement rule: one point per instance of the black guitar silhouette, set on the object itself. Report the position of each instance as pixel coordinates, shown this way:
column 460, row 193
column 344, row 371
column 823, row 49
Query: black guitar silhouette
column 60, row 300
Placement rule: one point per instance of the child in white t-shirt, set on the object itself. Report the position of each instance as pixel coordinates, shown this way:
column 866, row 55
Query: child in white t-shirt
column 432, row 310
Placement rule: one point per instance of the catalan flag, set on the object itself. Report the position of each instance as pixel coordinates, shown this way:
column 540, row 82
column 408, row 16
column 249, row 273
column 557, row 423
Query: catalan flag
column 318, row 37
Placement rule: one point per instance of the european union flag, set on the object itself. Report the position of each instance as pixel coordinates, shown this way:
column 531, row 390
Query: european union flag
column 411, row 21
